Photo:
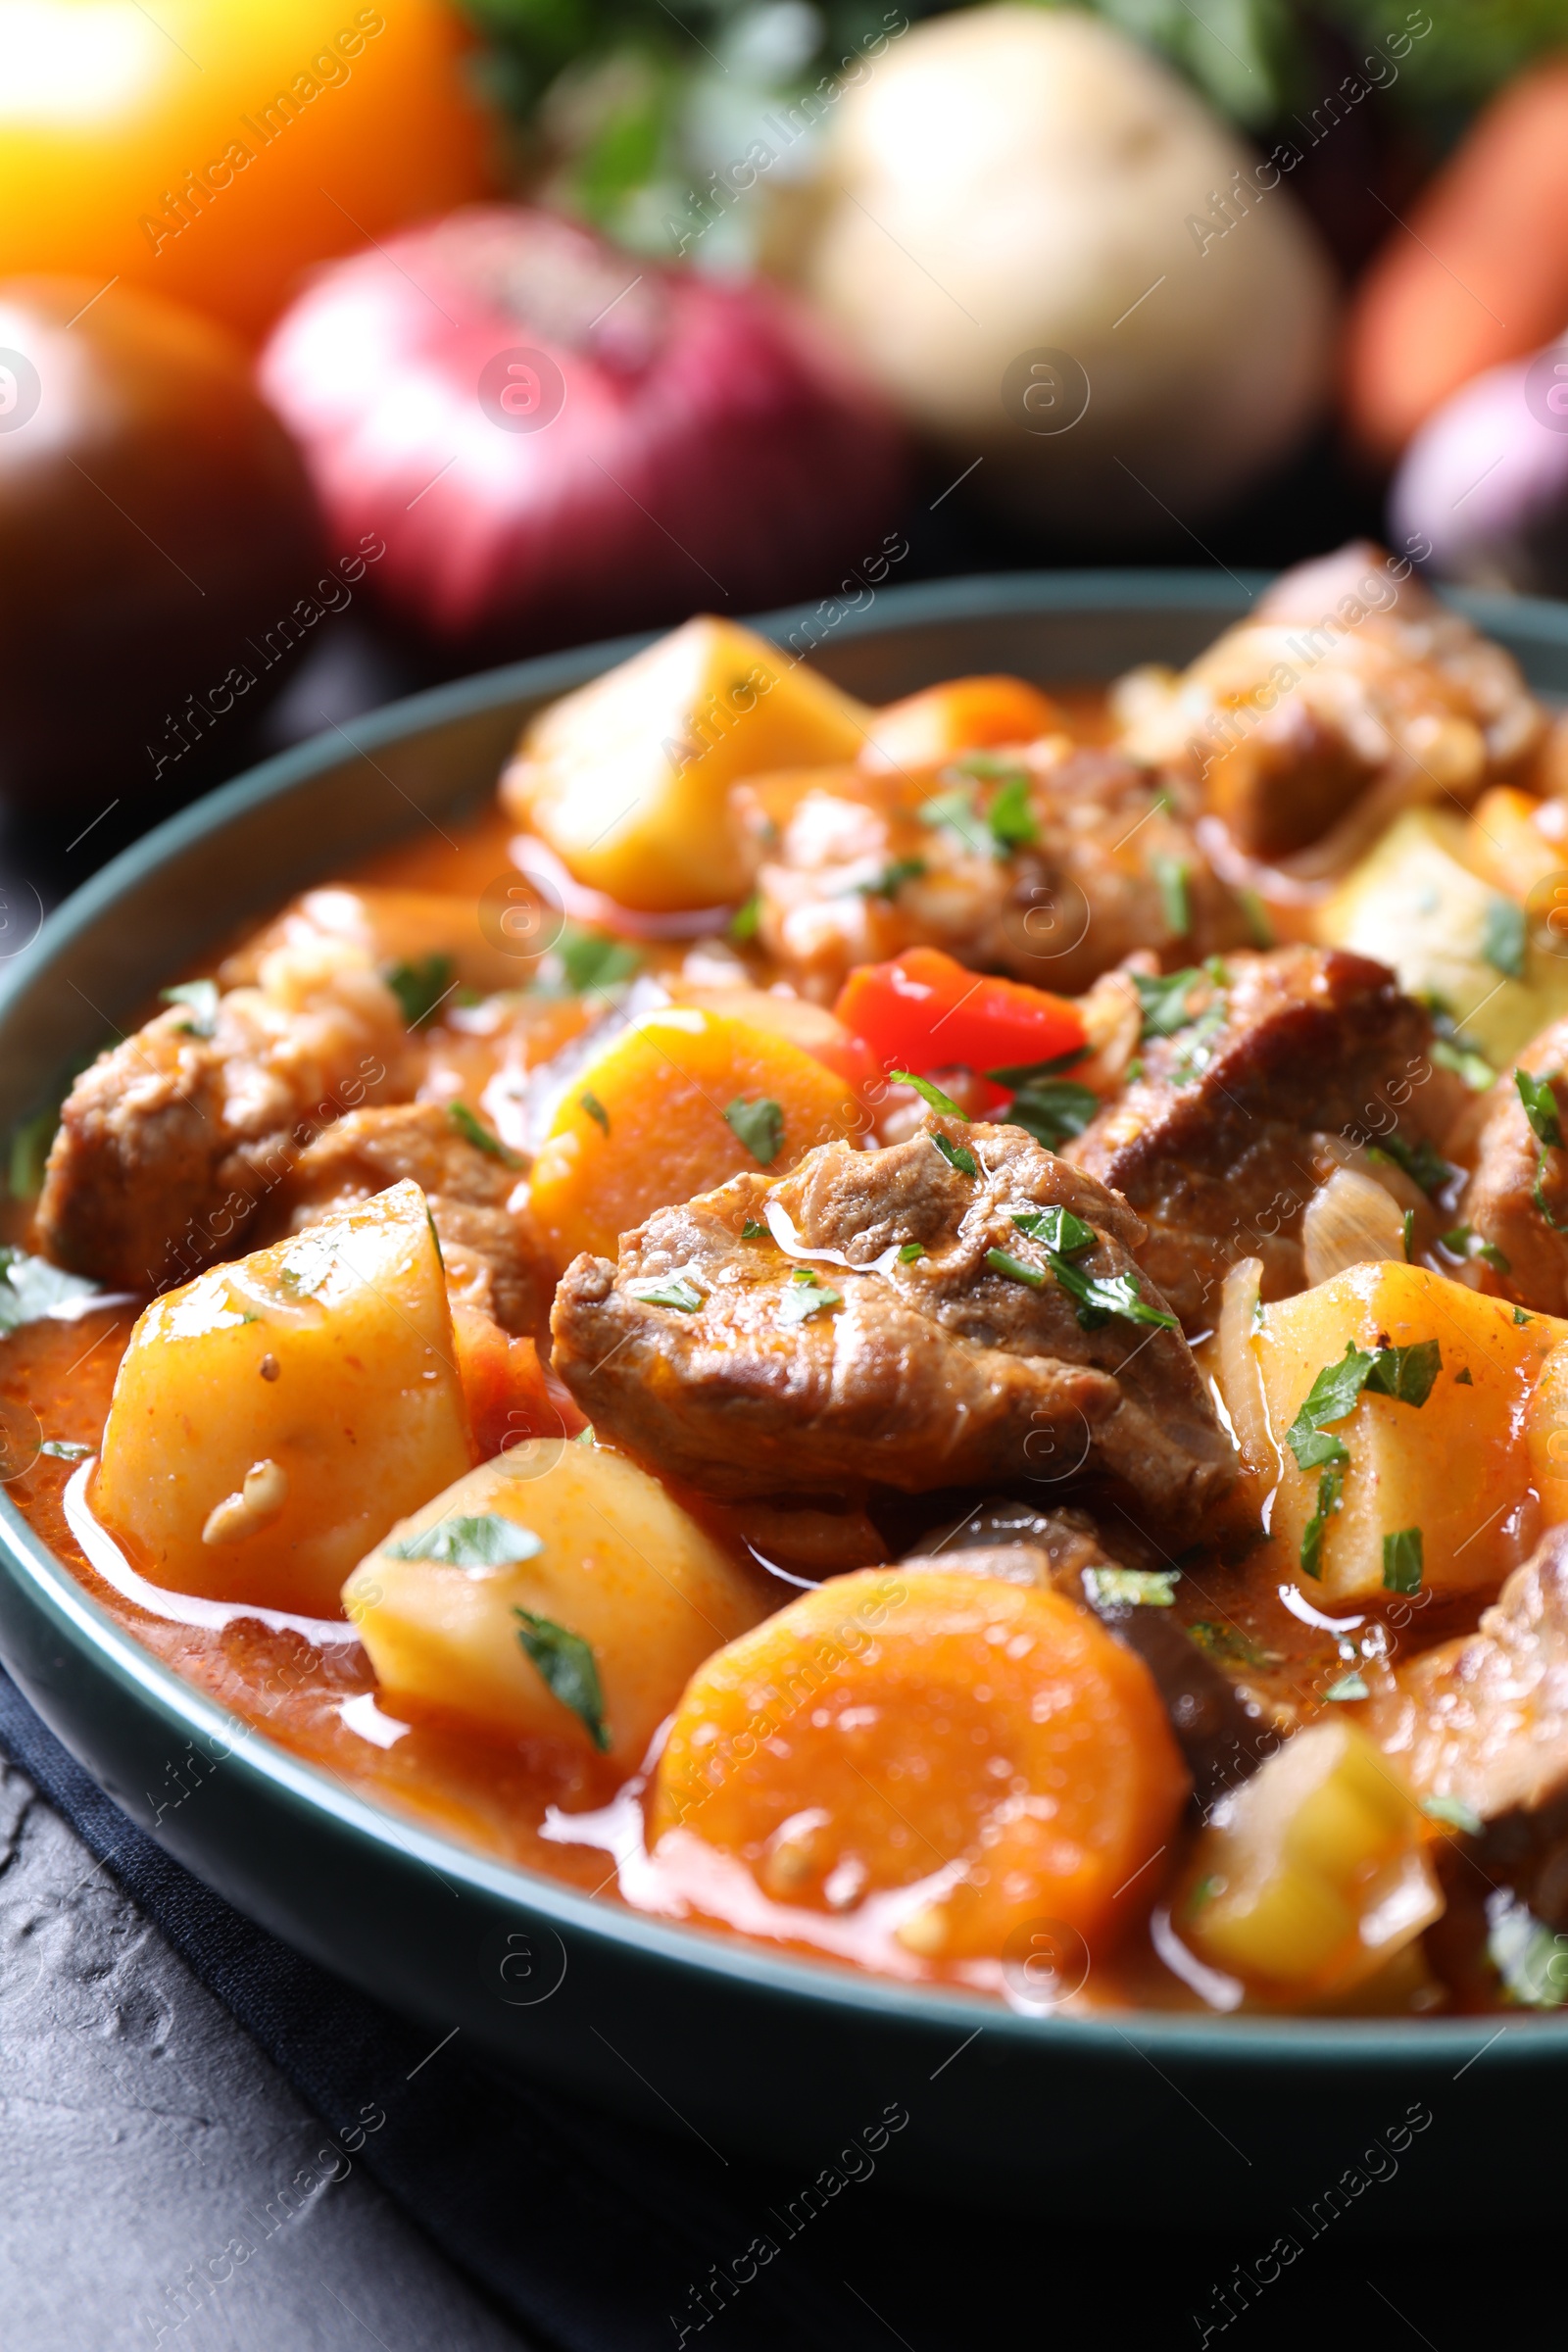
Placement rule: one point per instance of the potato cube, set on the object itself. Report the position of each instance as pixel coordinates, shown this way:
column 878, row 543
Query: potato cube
column 273, row 1417
column 1413, row 902
column 1452, row 1469
column 628, row 778
column 620, row 1595
column 675, row 1104
column 1312, row 1874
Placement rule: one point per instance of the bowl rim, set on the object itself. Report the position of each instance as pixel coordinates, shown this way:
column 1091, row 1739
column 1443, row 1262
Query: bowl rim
column 1296, row 2042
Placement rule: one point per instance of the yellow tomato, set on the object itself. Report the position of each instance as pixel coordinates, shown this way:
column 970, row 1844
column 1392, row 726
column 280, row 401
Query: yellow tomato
column 210, row 150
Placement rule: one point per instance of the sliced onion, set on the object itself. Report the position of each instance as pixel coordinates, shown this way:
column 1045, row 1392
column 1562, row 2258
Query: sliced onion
column 1239, row 1376
column 1352, row 1220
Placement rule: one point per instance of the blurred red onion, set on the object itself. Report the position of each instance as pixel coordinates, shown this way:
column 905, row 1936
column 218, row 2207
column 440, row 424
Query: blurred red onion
column 1486, row 479
column 554, row 437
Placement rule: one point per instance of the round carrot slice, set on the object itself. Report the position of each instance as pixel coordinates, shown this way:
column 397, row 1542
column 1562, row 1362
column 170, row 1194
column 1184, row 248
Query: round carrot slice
column 986, row 1743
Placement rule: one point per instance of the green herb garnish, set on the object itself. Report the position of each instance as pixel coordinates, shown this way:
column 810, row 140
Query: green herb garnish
column 1255, row 916
column 1228, row 1645
column 1466, row 1062
column 590, row 960
column 201, row 997
column 567, row 1669
column 911, row 1252
column 474, row 1131
column 1531, row 1960
column 1139, row 1588
column 954, row 812
column 891, row 880
column 1197, row 1051
column 743, row 923
column 1405, row 1374
column 1402, row 1560
column 957, row 1155
column 930, row 1093
column 1172, row 875
column 30, row 1148
column 1163, row 1000
column 1045, row 1105
column 1540, row 1110
column 31, row 1287
column 420, row 987
column 64, row 1450
column 1000, row 1261
column 751, row 1231
column 759, row 1125
column 486, row 1540
column 1348, row 1686
column 1503, row 938
column 1098, row 1298
column 1463, row 1380
column 806, row 1295
column 1421, row 1163
column 1010, row 816
column 1407, row 1229
column 1462, row 1241
column 589, row 1101
column 1454, row 1811
column 674, row 1292
column 1330, row 1497
column 1058, row 1228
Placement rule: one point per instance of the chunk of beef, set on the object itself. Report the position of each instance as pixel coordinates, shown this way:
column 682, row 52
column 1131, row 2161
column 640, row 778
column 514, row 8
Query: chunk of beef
column 485, row 1245
column 771, row 1337
column 1347, row 693
column 1281, row 1061
column 1526, row 1243
column 1053, row 869
column 168, row 1142
column 1221, row 1732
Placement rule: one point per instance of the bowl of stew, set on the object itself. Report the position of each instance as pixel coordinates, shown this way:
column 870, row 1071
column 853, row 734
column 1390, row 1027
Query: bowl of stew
column 827, row 1366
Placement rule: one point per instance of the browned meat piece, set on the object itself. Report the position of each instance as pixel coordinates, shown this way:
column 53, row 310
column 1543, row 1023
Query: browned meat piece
column 770, row 1338
column 1347, row 693
column 1223, row 1734
column 1087, row 861
column 1282, row 1062
column 1527, row 1258
column 170, row 1142
column 485, row 1245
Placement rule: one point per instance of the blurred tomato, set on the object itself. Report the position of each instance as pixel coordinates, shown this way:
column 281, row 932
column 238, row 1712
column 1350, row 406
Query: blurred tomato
column 157, row 532
column 210, row 150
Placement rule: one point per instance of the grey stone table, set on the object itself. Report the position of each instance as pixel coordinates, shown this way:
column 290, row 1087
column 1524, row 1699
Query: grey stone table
column 142, row 2134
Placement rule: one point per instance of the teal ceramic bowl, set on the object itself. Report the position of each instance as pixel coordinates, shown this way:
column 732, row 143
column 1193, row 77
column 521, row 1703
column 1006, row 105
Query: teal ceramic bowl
column 1291, row 2125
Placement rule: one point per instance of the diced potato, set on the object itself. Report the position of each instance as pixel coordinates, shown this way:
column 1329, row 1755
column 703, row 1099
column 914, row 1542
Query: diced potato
column 963, row 714
column 1547, row 1435
column 644, row 1124
column 272, row 1418
column 1453, row 1467
column 988, row 1746
column 1413, row 902
column 615, row 1562
column 1312, row 1875
column 628, row 778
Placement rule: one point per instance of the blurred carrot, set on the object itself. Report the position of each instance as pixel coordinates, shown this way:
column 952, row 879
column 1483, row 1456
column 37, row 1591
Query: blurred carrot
column 1477, row 273
column 965, row 715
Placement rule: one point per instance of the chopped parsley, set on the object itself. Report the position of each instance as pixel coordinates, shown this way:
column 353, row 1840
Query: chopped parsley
column 1330, row 1497
column 1402, row 1561
column 891, row 880
column 930, row 1093
column 1172, row 875
column 1000, row 1261
column 589, row 959
column 759, row 1125
column 1139, row 1588
column 1465, row 1061
column 1462, row 1241
column 1540, row 1110
column 753, row 1231
column 957, row 1155
column 201, row 998
column 1421, row 1163
column 567, row 1669
column 1227, row 1646
column 486, row 1540
column 954, row 812
column 1454, row 1811
column 1504, row 937
column 1163, row 1000
column 911, row 1252
column 743, row 923
column 1407, row 1228
column 1520, row 1316
column 1010, row 816
column 1405, row 1374
column 675, row 1292
column 474, row 1131
column 64, row 1450
column 1198, row 1051
column 31, row 1288
column 1463, row 1380
column 1255, row 916
column 1045, row 1104
column 1058, row 1228
column 806, row 1295
column 1348, row 1686
column 420, row 987
column 1097, row 1298
column 589, row 1101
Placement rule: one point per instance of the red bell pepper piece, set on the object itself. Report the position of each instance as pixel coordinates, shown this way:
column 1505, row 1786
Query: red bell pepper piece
column 923, row 1012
